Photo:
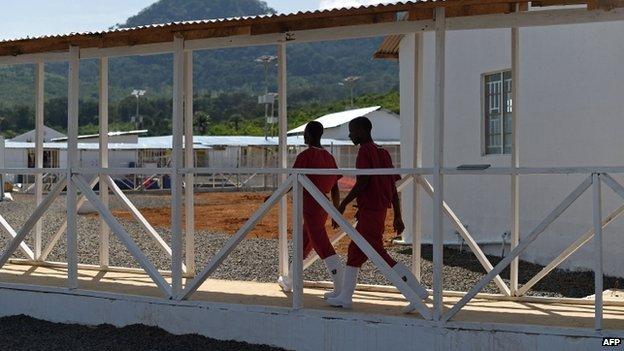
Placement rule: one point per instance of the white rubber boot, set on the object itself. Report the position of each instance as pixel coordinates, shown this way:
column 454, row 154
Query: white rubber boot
column 349, row 280
column 407, row 276
column 336, row 271
column 286, row 281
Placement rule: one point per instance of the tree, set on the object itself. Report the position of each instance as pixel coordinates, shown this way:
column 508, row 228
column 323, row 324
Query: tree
column 236, row 119
column 202, row 122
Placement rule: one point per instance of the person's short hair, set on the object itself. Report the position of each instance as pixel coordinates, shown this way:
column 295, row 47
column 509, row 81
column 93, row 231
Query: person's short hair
column 364, row 123
column 315, row 129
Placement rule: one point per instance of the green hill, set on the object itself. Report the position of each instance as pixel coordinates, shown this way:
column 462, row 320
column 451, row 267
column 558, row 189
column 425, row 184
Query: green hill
column 314, row 70
column 175, row 10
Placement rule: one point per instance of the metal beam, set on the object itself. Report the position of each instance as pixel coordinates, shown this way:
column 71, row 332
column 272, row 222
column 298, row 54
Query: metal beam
column 554, row 214
column 136, row 50
column 23, row 246
column 34, row 58
column 470, row 241
column 523, row 19
column 176, row 164
column 438, row 161
column 62, row 229
column 31, row 221
column 598, row 271
column 282, row 158
column 584, row 239
column 515, row 152
column 39, row 134
column 138, row 216
column 297, row 221
column 72, row 163
column 217, row 259
column 535, row 19
column 123, row 236
column 189, row 162
column 103, row 154
column 419, row 67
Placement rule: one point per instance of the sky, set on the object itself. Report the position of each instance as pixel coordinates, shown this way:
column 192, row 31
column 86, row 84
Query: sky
column 19, row 19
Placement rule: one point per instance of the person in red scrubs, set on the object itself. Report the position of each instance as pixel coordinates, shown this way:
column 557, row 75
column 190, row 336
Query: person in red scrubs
column 374, row 195
column 314, row 216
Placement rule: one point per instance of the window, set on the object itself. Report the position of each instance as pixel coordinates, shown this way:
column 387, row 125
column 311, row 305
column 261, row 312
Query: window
column 50, row 158
column 498, row 112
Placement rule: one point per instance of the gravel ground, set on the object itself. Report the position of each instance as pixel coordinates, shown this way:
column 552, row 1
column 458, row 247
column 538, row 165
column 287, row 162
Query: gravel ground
column 256, row 259
column 20, row 333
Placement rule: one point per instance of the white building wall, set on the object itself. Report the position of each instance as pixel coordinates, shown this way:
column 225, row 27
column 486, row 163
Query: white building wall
column 117, row 158
column 572, row 98
column 16, row 158
column 114, row 139
column 386, row 127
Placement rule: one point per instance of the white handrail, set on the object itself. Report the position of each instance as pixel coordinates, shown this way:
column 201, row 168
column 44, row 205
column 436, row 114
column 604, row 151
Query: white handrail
column 554, row 214
column 298, row 180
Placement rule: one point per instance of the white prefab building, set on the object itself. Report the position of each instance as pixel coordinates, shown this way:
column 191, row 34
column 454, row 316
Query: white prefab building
column 125, row 137
column 48, row 135
column 568, row 116
column 386, row 124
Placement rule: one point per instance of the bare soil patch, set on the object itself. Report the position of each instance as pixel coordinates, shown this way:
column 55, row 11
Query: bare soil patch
column 226, row 213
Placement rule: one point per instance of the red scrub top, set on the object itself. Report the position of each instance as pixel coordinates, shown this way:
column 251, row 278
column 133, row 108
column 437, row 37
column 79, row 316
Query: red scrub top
column 314, row 157
column 380, row 190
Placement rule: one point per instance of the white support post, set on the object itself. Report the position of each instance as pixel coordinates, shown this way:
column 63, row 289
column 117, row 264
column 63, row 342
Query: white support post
column 515, row 161
column 104, row 195
column 417, row 157
column 598, row 275
column 297, row 221
column 438, row 162
column 189, row 162
column 411, row 74
column 282, row 158
column 39, row 104
column 176, row 163
column 72, row 164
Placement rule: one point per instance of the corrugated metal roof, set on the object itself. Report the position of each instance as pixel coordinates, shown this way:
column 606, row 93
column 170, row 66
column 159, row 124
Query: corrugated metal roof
column 110, row 134
column 389, row 48
column 232, row 20
column 81, row 146
column 215, row 141
column 199, row 142
column 339, row 118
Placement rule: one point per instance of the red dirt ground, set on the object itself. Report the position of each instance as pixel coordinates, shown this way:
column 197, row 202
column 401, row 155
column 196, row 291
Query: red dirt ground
column 227, row 212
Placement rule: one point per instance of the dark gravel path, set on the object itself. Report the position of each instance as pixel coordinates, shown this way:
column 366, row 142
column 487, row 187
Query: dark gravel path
column 21, row 333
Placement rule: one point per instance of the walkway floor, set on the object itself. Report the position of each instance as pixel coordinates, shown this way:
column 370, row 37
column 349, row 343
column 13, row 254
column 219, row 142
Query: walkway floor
column 485, row 310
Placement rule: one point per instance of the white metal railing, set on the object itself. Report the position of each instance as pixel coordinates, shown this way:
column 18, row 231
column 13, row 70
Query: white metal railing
column 297, row 181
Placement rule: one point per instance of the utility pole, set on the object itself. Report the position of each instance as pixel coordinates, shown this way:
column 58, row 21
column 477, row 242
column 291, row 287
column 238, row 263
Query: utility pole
column 349, row 83
column 267, row 99
column 137, row 94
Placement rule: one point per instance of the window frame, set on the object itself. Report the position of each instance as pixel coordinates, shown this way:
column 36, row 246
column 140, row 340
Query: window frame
column 484, row 125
